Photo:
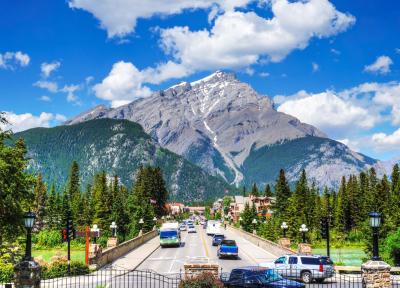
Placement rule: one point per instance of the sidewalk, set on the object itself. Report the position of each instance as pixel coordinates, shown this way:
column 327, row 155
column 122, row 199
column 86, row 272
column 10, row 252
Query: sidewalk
column 134, row 258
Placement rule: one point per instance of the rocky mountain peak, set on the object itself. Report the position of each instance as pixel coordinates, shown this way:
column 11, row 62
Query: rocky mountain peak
column 218, row 76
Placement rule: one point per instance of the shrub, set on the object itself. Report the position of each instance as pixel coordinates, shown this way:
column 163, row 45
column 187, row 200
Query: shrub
column 203, row 280
column 391, row 248
column 6, row 272
column 47, row 239
column 60, row 269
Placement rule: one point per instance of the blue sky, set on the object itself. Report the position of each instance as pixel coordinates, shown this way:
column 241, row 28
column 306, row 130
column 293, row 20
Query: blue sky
column 333, row 64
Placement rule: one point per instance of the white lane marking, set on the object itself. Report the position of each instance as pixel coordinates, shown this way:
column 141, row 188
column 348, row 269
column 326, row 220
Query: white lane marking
column 177, row 251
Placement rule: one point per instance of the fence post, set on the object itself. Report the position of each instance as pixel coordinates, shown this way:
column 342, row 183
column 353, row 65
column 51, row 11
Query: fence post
column 27, row 274
column 376, row 274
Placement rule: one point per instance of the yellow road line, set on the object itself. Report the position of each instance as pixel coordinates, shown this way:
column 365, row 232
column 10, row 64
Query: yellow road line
column 204, row 243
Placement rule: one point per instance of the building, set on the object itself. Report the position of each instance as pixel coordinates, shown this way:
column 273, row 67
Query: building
column 175, row 208
column 197, row 210
column 262, row 203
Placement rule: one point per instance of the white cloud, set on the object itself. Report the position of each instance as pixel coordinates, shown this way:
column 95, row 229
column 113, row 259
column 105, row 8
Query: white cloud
column 48, row 68
column 122, row 85
column 70, row 91
column 60, row 118
column 20, row 122
column 387, row 142
column 353, row 144
column 328, row 111
column 336, row 52
column 45, row 98
column 51, row 86
column 397, row 50
column 119, row 17
column 315, row 67
column 380, row 66
column 9, row 60
column 264, row 74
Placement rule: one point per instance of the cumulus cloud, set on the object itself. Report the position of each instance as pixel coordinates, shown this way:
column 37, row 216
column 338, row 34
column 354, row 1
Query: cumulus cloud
column 70, row 91
column 51, row 86
column 328, row 111
column 119, row 17
column 45, row 98
column 387, row 142
column 353, row 144
column 380, row 66
column 315, row 67
column 48, row 68
column 10, row 60
column 122, row 85
column 20, row 122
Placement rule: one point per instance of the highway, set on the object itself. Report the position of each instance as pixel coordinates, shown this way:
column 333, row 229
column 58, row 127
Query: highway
column 197, row 247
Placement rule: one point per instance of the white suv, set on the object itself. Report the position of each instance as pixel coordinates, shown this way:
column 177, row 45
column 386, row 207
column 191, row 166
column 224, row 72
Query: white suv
column 303, row 267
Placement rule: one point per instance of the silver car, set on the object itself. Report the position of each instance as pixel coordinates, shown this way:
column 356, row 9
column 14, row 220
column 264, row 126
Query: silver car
column 303, row 267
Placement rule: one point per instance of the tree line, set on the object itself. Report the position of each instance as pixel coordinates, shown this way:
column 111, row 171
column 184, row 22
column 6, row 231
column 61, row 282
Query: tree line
column 346, row 207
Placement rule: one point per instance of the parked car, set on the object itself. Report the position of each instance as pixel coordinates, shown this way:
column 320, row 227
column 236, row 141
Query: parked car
column 228, row 248
column 303, row 267
column 255, row 276
column 182, row 227
column 191, row 229
column 217, row 238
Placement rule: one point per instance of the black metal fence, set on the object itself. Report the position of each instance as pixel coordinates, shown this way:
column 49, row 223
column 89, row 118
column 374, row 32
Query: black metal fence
column 152, row 279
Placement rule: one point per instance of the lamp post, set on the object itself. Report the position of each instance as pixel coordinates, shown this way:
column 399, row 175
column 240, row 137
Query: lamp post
column 141, row 222
column 375, row 222
column 113, row 227
column 155, row 223
column 240, row 221
column 303, row 230
column 254, row 225
column 29, row 221
column 95, row 229
column 284, row 227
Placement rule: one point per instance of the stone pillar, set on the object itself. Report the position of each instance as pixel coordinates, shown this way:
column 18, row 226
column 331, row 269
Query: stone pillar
column 304, row 248
column 254, row 232
column 27, row 274
column 375, row 274
column 284, row 242
column 112, row 242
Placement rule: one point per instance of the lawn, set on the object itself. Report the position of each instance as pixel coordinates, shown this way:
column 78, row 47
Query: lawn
column 349, row 256
column 76, row 254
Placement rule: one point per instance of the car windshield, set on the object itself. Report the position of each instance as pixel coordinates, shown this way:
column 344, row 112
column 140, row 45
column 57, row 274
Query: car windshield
column 168, row 234
column 269, row 276
column 228, row 243
column 219, row 237
column 326, row 261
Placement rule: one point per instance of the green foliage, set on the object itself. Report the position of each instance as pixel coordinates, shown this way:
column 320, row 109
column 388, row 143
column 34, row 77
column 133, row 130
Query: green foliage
column 6, row 272
column 47, row 239
column 60, row 269
column 204, row 280
column 391, row 248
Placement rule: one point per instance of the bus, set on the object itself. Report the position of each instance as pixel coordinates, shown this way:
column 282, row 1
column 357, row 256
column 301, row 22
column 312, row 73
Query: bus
column 170, row 235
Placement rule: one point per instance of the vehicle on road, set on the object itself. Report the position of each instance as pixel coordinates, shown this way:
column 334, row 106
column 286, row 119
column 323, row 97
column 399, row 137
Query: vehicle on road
column 182, row 227
column 217, row 238
column 255, row 276
column 213, row 227
column 170, row 235
column 191, row 229
column 303, row 267
column 228, row 248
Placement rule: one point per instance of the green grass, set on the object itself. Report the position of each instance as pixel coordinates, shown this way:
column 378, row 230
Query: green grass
column 350, row 256
column 76, row 255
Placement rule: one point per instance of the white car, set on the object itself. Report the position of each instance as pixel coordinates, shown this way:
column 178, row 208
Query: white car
column 191, row 229
column 182, row 227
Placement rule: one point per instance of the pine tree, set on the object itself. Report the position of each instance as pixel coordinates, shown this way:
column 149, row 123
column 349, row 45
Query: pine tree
column 244, row 191
column 395, row 177
column 247, row 218
column 40, row 202
column 254, row 190
column 100, row 197
column 88, row 206
column 52, row 208
column 74, row 194
column 268, row 191
column 160, row 192
column 120, row 212
column 282, row 193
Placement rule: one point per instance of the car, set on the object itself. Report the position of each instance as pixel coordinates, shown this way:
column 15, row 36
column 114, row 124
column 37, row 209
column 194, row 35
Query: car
column 191, row 229
column 217, row 238
column 182, row 227
column 303, row 267
column 256, row 276
column 228, row 248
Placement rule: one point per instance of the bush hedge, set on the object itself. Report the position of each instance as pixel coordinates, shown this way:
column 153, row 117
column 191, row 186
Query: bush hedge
column 60, row 269
column 6, row 272
column 203, row 280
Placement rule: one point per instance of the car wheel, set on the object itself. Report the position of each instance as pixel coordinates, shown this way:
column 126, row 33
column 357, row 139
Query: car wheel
column 306, row 277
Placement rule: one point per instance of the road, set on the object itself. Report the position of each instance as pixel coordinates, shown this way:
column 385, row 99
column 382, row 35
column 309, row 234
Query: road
column 197, row 247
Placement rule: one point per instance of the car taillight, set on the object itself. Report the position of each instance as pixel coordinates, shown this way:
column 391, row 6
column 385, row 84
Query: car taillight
column 321, row 268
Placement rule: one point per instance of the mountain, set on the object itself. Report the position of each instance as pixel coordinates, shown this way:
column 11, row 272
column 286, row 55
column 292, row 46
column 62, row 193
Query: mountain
column 118, row 147
column 227, row 128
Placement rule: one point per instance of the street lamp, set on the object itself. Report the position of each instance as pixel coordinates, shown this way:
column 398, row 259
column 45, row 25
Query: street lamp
column 113, row 227
column 284, row 227
column 375, row 222
column 95, row 229
column 303, row 230
column 29, row 220
column 254, row 225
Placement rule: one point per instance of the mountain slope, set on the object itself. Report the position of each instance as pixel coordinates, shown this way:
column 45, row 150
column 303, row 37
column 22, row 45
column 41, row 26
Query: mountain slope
column 219, row 122
column 118, row 147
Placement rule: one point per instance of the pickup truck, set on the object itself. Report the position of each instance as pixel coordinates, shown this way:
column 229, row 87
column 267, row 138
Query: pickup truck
column 228, row 248
column 257, row 277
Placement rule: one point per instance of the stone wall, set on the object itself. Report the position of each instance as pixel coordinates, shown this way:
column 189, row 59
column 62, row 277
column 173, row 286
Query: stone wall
column 267, row 245
column 376, row 274
column 111, row 254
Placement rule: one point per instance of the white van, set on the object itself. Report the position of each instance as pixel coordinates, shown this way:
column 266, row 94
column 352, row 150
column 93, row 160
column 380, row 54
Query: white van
column 213, row 227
